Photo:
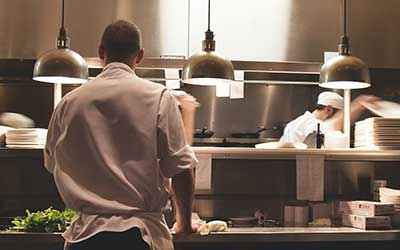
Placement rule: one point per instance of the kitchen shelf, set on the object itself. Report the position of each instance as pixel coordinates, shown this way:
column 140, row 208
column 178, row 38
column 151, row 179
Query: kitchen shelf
column 256, row 154
column 21, row 153
column 19, row 71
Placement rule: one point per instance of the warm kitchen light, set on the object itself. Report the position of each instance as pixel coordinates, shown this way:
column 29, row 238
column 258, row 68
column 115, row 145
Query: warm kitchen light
column 61, row 65
column 208, row 67
column 345, row 72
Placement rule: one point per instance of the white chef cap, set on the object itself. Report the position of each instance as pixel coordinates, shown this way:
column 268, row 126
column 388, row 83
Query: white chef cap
column 329, row 98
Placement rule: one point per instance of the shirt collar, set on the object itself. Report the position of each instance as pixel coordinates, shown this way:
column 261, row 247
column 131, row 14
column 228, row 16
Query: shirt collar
column 308, row 114
column 117, row 70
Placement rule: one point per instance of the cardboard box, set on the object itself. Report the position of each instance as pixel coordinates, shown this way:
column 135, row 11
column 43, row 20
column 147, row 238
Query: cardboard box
column 296, row 215
column 366, row 223
column 366, row 208
column 321, row 210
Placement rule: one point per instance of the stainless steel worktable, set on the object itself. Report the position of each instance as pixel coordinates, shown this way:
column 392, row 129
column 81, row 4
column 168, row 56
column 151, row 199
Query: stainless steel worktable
column 288, row 153
column 238, row 238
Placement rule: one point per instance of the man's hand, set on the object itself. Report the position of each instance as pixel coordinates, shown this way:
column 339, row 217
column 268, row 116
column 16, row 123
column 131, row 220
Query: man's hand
column 182, row 231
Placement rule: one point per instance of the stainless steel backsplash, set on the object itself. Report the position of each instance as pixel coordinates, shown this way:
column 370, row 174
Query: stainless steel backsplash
column 263, row 106
column 257, row 30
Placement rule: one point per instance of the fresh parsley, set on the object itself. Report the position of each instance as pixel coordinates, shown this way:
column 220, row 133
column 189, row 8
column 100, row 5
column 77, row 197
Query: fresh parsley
column 46, row 221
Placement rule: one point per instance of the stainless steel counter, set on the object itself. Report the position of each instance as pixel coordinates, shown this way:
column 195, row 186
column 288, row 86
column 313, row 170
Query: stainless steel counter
column 255, row 153
column 295, row 234
column 239, row 235
column 288, row 153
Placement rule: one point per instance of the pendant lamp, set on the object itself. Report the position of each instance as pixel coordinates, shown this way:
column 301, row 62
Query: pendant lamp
column 208, row 67
column 61, row 65
column 345, row 72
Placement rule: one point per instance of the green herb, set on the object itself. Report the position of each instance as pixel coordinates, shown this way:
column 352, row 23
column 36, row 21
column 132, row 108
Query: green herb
column 47, row 221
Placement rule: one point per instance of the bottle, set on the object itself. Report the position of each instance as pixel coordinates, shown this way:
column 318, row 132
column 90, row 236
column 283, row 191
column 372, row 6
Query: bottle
column 320, row 137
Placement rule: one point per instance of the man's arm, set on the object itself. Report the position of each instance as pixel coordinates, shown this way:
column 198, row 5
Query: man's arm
column 188, row 105
column 177, row 159
column 183, row 183
column 183, row 192
column 356, row 110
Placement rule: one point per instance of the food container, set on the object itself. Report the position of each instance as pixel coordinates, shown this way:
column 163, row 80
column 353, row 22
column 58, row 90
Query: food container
column 366, row 208
column 366, row 222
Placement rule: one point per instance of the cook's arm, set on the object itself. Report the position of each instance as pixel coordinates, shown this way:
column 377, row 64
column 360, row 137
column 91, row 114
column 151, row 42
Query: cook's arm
column 177, row 159
column 183, row 190
column 356, row 110
column 188, row 105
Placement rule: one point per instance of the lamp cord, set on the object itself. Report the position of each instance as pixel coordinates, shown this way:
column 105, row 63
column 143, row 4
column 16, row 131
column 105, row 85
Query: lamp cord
column 209, row 15
column 345, row 18
column 62, row 40
column 209, row 33
column 344, row 46
column 62, row 13
column 209, row 43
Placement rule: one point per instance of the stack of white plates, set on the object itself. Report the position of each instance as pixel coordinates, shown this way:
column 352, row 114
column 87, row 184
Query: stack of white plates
column 26, row 138
column 378, row 133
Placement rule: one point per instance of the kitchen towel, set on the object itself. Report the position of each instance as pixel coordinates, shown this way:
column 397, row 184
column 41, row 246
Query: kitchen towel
column 310, row 177
column 203, row 172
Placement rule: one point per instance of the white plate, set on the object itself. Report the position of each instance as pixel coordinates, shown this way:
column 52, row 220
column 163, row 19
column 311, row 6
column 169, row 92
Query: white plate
column 384, row 108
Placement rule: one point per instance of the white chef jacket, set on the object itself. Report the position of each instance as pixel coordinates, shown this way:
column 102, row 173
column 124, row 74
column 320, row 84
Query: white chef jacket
column 297, row 130
column 112, row 143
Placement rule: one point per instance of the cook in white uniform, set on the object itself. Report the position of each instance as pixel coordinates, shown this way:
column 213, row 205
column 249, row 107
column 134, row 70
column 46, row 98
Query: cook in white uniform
column 297, row 130
column 113, row 145
column 329, row 114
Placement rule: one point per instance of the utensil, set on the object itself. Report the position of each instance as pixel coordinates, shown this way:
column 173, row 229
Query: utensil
column 253, row 134
column 203, row 133
column 243, row 221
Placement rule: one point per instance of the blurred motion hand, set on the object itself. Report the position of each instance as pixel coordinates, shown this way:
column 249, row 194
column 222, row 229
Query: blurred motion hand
column 366, row 99
column 187, row 105
column 16, row 120
column 186, row 102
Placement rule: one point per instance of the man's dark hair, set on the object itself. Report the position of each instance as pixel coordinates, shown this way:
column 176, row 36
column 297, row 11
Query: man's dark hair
column 321, row 107
column 121, row 41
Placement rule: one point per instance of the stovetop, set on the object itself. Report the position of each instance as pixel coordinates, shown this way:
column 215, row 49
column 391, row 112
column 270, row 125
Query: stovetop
column 231, row 141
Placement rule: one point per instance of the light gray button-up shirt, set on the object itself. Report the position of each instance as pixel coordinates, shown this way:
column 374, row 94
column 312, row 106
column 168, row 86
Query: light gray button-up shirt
column 112, row 145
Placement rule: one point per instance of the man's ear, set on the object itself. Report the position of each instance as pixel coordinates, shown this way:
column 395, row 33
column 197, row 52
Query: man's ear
column 139, row 56
column 329, row 110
